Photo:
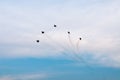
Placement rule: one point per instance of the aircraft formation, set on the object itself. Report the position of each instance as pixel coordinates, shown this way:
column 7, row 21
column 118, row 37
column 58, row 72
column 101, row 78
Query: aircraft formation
column 75, row 49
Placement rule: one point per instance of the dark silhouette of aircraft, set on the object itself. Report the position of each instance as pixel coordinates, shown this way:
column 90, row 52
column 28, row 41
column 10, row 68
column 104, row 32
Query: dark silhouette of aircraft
column 42, row 32
column 68, row 32
column 37, row 41
column 55, row 25
column 80, row 38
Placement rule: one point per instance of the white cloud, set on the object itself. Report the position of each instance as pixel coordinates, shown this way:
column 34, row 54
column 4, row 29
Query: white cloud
column 24, row 77
column 97, row 21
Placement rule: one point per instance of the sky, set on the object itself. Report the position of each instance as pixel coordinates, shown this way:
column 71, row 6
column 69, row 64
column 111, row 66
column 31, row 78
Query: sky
column 58, row 55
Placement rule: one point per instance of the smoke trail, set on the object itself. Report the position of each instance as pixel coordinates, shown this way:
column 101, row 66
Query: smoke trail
column 77, row 45
column 56, row 43
column 72, row 45
column 75, row 48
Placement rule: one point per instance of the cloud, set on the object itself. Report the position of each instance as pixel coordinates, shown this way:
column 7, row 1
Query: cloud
column 23, row 77
column 96, row 21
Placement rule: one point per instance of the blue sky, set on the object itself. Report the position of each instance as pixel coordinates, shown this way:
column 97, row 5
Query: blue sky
column 96, row 57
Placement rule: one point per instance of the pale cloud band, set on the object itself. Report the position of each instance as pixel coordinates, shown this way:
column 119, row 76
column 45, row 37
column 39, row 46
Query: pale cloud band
column 24, row 77
column 97, row 21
